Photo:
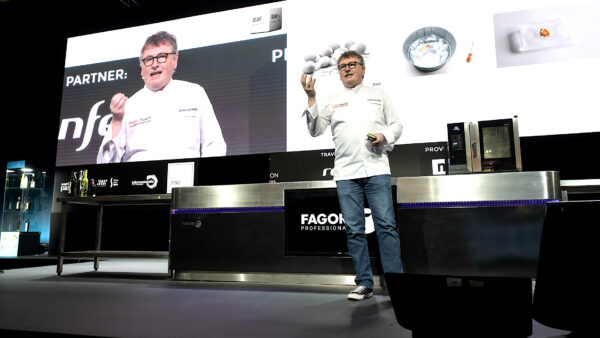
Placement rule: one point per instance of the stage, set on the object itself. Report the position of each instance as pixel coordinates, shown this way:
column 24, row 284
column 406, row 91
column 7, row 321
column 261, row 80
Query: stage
column 136, row 298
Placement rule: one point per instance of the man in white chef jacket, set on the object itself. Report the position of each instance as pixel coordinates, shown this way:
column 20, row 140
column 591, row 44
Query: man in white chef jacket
column 166, row 119
column 364, row 126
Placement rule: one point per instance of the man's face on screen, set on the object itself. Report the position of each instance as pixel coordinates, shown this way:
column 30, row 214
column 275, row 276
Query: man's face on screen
column 156, row 73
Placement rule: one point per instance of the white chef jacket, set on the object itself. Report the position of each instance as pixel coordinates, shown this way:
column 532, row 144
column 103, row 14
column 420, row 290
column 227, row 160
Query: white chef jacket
column 176, row 122
column 353, row 113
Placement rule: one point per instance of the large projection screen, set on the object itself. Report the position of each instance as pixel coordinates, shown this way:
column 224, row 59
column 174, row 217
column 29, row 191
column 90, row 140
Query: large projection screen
column 252, row 76
column 240, row 65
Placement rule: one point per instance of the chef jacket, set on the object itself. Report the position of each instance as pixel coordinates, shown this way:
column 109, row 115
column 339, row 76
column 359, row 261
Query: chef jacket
column 352, row 113
column 176, row 122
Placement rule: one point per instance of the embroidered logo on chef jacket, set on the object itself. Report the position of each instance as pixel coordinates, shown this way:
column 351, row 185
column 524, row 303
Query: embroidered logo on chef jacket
column 339, row 105
column 188, row 112
column 139, row 121
column 375, row 101
column 188, row 109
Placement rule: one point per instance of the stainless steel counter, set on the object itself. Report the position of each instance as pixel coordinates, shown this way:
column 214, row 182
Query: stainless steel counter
column 509, row 186
column 579, row 187
column 238, row 232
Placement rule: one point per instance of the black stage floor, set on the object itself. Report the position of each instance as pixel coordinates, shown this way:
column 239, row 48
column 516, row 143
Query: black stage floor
column 135, row 298
column 9, row 263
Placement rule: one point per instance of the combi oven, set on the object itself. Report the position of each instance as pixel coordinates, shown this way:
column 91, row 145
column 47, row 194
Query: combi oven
column 484, row 146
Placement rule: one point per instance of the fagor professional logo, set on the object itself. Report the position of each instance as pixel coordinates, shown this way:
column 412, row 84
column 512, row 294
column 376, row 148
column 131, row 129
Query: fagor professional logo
column 195, row 223
column 151, row 182
column 331, row 222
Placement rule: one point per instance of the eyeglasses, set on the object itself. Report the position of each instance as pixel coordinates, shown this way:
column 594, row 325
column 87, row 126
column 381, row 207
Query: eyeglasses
column 160, row 58
column 350, row 65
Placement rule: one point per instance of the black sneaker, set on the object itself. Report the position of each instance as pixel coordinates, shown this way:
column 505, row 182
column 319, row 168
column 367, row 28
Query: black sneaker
column 361, row 292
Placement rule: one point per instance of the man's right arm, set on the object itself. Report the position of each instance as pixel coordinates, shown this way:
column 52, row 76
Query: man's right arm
column 111, row 150
column 308, row 84
column 315, row 121
column 117, row 108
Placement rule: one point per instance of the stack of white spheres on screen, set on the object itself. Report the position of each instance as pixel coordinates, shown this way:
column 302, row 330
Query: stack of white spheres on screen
column 329, row 56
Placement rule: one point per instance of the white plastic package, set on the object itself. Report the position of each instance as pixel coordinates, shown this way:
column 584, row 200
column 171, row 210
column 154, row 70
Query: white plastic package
column 541, row 35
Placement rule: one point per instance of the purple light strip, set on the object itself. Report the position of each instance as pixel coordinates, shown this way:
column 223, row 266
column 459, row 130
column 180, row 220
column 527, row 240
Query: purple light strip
column 226, row 210
column 505, row 203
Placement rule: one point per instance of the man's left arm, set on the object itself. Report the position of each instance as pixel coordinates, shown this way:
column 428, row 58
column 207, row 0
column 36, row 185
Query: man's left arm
column 393, row 126
column 211, row 137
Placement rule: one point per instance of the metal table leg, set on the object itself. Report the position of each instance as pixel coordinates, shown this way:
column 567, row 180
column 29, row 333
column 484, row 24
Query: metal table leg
column 98, row 236
column 61, row 237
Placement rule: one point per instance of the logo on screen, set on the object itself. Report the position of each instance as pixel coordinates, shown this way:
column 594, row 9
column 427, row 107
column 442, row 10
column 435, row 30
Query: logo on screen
column 78, row 125
column 151, row 182
column 438, row 166
column 434, row 149
column 107, row 182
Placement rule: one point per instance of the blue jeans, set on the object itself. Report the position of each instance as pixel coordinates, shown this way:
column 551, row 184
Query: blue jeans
column 378, row 190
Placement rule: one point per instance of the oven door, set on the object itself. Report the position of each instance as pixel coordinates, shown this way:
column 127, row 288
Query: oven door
column 500, row 149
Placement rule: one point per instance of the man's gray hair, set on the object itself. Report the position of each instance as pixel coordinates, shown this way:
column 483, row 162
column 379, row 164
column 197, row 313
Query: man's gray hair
column 350, row 54
column 160, row 38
